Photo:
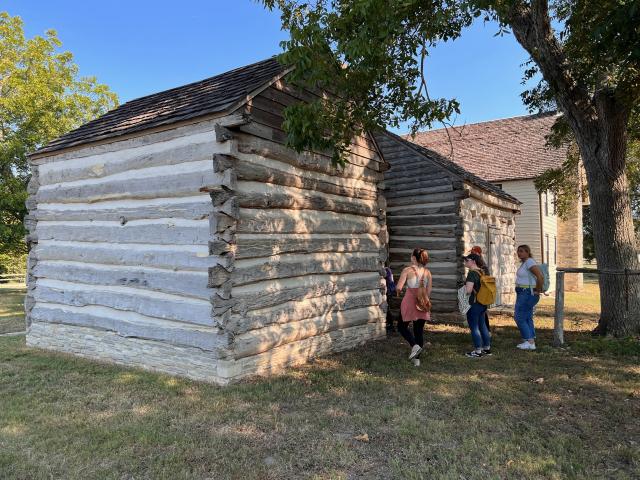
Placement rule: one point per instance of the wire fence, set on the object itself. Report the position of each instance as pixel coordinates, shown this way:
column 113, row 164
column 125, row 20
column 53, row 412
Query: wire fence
column 558, row 321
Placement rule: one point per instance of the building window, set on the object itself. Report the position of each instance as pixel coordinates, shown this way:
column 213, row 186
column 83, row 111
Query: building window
column 546, row 204
column 546, row 242
column 555, row 250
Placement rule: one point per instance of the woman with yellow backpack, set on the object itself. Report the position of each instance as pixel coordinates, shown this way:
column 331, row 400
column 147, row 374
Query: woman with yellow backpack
column 476, row 314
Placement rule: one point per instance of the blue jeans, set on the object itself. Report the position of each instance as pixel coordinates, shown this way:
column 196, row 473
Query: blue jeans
column 523, row 313
column 478, row 326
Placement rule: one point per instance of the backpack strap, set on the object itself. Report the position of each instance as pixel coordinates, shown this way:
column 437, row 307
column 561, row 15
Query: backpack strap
column 420, row 279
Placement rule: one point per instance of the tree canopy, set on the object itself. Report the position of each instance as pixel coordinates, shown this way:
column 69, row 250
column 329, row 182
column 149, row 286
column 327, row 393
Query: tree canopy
column 370, row 56
column 42, row 96
column 372, row 53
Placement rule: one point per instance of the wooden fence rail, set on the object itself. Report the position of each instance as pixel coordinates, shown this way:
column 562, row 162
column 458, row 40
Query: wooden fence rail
column 558, row 321
column 13, row 277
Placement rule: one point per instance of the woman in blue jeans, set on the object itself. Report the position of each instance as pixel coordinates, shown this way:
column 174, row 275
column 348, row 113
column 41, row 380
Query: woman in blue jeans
column 476, row 314
column 529, row 282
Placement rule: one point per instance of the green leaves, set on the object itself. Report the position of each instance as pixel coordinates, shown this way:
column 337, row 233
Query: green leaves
column 41, row 98
column 366, row 53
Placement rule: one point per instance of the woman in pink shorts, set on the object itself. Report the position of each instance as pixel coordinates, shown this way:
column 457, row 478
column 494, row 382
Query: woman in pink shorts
column 413, row 276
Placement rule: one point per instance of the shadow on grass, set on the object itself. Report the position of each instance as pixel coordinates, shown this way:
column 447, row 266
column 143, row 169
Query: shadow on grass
column 65, row 417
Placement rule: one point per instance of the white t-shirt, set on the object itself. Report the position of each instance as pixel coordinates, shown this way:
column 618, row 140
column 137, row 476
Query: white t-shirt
column 523, row 275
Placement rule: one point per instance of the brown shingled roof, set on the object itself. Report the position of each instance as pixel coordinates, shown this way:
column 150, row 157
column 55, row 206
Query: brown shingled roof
column 507, row 149
column 446, row 164
column 212, row 95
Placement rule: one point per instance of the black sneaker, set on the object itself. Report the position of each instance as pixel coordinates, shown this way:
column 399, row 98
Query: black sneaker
column 474, row 354
column 486, row 351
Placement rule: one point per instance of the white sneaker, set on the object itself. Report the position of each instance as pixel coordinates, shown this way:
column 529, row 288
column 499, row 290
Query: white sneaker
column 527, row 346
column 415, row 351
column 416, row 362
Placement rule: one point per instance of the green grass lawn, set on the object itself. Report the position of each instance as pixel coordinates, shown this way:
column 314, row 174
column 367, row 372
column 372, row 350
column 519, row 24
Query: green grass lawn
column 11, row 307
column 364, row 414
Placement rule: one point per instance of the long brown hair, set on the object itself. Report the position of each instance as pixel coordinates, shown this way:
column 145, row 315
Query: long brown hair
column 421, row 256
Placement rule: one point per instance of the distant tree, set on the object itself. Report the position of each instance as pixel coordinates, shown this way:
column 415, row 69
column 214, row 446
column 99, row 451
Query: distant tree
column 370, row 55
column 41, row 98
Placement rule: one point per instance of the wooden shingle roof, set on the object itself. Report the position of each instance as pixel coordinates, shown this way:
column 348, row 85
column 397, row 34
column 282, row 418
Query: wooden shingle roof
column 444, row 163
column 506, row 149
column 217, row 94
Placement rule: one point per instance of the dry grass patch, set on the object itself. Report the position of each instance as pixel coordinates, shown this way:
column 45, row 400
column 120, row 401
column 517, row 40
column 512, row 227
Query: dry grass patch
column 12, row 307
column 364, row 414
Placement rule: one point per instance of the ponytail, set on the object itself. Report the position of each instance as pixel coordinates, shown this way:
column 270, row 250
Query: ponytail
column 421, row 256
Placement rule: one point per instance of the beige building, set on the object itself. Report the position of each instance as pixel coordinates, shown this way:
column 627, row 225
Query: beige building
column 511, row 153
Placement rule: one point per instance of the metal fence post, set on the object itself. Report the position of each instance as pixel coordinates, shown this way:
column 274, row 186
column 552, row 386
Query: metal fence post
column 558, row 321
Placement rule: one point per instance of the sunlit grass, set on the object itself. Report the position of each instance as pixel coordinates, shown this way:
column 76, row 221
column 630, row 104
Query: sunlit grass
column 12, row 307
column 367, row 413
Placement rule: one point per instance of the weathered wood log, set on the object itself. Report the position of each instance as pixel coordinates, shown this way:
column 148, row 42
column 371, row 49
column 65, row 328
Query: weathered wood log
column 191, row 148
column 136, row 141
column 141, row 254
column 425, row 171
column 446, row 231
column 223, row 134
column 422, row 220
column 161, row 231
column 436, row 244
column 299, row 310
column 256, row 245
column 266, row 100
column 356, row 155
column 92, row 343
column 413, row 183
column 418, row 191
column 264, row 339
column 403, row 254
column 292, row 265
column 190, row 284
column 191, row 208
column 424, row 210
column 161, row 182
column 253, row 171
column 305, row 160
column 300, row 221
column 132, row 325
column 150, row 304
column 439, row 268
column 267, row 294
column 260, row 195
column 428, row 198
column 295, row 353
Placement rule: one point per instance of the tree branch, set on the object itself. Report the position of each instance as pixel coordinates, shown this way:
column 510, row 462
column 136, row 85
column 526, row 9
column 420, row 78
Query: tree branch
column 532, row 28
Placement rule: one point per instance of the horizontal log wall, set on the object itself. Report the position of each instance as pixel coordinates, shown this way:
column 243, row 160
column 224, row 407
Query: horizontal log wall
column 423, row 211
column 307, row 241
column 120, row 259
column 211, row 241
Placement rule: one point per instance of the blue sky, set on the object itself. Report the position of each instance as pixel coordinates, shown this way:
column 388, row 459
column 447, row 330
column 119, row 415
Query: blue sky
column 138, row 47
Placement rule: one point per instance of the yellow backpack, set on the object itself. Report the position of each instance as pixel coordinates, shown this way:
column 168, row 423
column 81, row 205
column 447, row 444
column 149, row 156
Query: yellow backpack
column 486, row 295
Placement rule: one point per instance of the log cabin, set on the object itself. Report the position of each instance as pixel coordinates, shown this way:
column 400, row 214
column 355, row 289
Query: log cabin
column 177, row 233
column 435, row 204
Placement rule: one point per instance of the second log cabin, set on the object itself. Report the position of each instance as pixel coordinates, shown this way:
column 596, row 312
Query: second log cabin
column 435, row 204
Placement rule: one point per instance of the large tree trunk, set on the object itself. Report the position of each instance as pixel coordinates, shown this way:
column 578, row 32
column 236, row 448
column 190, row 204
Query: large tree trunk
column 603, row 153
column 599, row 123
